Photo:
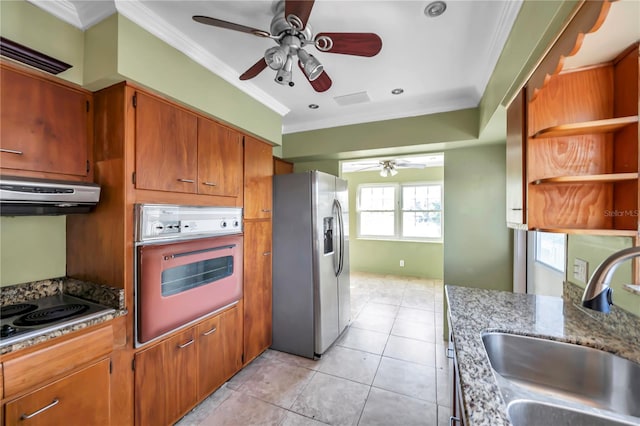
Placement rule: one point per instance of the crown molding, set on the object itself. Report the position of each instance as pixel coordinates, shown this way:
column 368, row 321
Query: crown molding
column 145, row 18
column 62, row 9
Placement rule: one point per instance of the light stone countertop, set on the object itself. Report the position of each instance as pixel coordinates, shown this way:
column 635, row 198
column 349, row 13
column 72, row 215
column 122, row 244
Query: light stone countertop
column 473, row 310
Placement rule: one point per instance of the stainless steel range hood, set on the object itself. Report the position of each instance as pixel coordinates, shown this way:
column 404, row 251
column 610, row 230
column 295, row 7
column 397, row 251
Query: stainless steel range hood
column 29, row 196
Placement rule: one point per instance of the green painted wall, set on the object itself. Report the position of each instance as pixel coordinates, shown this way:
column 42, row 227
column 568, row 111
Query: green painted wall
column 478, row 247
column 477, row 244
column 32, row 248
column 594, row 249
column 31, row 26
column 418, row 132
column 422, row 259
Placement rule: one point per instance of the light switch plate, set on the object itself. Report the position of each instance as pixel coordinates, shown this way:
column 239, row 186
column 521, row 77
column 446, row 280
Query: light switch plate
column 580, row 270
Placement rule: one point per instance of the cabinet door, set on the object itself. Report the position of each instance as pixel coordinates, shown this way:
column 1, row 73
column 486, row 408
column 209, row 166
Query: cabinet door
column 219, row 160
column 257, row 288
column 150, row 387
column 166, row 146
column 258, row 175
column 45, row 125
column 211, row 372
column 181, row 384
column 516, row 160
column 232, row 345
column 81, row 398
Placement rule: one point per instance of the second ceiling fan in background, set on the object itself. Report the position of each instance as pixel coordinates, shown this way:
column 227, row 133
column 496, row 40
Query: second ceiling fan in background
column 290, row 30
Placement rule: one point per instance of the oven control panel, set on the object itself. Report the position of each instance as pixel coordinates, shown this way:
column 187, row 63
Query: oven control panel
column 164, row 222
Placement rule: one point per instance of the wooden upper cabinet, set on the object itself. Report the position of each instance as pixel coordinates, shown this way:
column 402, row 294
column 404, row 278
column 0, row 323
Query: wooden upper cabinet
column 219, row 159
column 258, row 176
column 516, row 161
column 166, row 146
column 281, row 167
column 46, row 126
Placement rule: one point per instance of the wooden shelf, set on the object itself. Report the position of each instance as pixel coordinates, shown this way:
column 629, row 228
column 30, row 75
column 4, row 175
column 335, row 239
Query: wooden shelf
column 596, row 126
column 583, row 231
column 603, row 178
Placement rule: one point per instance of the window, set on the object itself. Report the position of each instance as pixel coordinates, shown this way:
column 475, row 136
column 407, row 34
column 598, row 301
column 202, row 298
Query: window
column 550, row 250
column 400, row 211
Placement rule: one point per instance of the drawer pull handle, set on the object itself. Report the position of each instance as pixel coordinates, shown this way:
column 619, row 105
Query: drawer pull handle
column 184, row 345
column 453, row 420
column 517, row 210
column 266, row 210
column 210, row 183
column 11, row 151
column 213, row 330
column 187, row 180
column 266, row 253
column 35, row 413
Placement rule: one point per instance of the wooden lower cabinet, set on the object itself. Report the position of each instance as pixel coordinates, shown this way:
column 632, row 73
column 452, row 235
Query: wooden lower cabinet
column 81, row 398
column 219, row 342
column 257, row 288
column 174, row 375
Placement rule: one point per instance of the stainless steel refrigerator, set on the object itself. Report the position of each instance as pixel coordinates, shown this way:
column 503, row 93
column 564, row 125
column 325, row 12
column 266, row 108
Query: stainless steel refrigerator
column 310, row 262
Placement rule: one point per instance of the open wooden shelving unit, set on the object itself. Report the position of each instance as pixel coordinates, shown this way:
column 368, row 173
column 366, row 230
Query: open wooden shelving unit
column 582, row 150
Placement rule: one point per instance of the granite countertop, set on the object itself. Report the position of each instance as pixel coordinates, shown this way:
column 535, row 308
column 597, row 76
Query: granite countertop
column 97, row 293
column 473, row 310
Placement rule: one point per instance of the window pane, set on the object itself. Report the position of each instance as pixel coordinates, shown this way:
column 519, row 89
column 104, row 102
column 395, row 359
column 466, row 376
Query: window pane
column 423, row 197
column 376, row 223
column 422, row 224
column 377, row 198
column 550, row 250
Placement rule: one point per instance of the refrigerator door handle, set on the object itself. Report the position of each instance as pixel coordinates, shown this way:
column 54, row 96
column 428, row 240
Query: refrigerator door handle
column 338, row 208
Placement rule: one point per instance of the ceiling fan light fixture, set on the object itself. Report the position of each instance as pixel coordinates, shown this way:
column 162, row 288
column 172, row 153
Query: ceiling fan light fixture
column 310, row 65
column 384, row 172
column 276, row 56
column 284, row 74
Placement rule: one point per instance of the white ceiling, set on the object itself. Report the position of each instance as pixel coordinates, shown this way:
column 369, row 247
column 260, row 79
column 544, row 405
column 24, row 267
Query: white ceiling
column 442, row 63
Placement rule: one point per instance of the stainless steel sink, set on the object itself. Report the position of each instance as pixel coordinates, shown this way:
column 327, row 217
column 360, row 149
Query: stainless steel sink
column 535, row 413
column 571, row 372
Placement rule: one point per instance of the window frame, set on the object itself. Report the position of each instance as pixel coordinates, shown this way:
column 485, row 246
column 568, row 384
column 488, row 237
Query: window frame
column 398, row 212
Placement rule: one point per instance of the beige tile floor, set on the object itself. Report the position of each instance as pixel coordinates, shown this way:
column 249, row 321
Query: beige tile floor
column 388, row 368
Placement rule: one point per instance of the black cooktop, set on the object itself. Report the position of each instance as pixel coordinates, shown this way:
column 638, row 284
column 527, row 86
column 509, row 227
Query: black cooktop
column 25, row 320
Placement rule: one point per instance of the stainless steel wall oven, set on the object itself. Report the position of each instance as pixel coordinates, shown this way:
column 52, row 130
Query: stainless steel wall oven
column 188, row 265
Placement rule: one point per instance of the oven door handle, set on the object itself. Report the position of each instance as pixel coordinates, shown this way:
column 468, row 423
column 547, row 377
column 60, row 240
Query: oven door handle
column 191, row 253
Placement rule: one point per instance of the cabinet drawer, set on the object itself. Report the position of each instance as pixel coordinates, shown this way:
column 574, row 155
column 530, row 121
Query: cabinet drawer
column 27, row 371
column 79, row 399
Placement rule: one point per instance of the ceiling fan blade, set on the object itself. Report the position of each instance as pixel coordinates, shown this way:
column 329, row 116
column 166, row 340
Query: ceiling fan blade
column 320, row 84
column 409, row 165
column 230, row 25
column 359, row 44
column 299, row 8
column 254, row 70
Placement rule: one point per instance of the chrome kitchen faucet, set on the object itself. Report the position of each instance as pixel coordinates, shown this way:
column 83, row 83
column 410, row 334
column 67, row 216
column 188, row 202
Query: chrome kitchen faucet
column 597, row 294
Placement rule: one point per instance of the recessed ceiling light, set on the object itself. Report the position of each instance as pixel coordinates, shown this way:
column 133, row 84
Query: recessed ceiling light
column 397, row 91
column 435, row 8
column 314, row 106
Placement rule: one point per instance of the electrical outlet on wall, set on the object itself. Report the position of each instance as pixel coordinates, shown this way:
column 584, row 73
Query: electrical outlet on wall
column 580, row 270
column 402, row 263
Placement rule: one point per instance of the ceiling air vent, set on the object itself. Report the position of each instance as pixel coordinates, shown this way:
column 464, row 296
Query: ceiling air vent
column 31, row 57
column 352, row 99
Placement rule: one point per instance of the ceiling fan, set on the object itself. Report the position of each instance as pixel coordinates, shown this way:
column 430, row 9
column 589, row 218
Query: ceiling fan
column 289, row 29
column 387, row 167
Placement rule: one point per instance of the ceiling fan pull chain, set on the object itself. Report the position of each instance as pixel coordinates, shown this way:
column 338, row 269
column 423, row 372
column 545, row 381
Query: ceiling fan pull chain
column 323, row 43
